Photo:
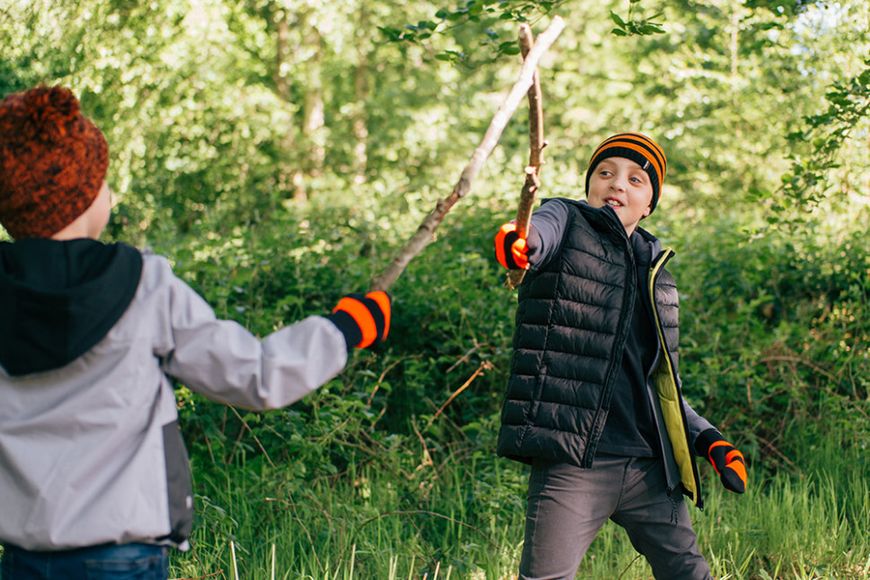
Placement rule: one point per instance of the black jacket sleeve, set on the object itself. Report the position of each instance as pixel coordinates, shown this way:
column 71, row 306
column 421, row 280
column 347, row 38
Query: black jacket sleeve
column 546, row 232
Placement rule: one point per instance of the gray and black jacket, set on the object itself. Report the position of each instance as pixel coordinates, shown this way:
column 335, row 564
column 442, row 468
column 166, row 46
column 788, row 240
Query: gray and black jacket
column 572, row 321
column 90, row 336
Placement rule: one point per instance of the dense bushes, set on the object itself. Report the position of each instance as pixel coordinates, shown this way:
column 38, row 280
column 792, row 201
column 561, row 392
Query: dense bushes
column 774, row 352
column 774, row 335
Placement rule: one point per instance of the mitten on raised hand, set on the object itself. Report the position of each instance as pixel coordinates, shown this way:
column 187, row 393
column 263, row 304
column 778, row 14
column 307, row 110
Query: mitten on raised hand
column 511, row 250
column 364, row 320
column 725, row 459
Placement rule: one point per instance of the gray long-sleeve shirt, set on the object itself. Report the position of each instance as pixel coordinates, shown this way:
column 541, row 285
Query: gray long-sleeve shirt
column 83, row 450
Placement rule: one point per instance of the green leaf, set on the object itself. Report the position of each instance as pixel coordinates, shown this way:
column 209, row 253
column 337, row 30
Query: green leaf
column 617, row 19
column 650, row 28
column 394, row 34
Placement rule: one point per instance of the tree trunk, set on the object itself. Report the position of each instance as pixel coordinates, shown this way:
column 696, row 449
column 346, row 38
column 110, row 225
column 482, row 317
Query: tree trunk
column 361, row 92
column 282, row 87
column 283, row 36
column 313, row 144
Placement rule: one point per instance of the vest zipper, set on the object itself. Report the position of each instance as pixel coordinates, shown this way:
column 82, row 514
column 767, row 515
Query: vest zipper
column 629, row 298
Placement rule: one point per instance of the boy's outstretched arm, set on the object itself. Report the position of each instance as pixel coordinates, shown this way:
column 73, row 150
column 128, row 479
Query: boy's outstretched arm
column 543, row 242
column 225, row 362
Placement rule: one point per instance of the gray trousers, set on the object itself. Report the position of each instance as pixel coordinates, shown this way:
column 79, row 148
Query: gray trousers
column 568, row 505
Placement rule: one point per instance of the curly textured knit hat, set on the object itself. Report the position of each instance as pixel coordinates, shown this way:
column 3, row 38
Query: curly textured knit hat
column 52, row 162
column 640, row 149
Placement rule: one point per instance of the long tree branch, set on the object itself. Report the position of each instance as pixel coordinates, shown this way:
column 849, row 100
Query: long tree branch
column 425, row 232
column 536, row 146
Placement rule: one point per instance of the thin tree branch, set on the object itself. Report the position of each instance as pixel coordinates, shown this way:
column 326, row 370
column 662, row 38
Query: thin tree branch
column 254, row 435
column 464, row 357
column 425, row 232
column 536, row 145
column 484, row 366
column 536, row 114
column 803, row 361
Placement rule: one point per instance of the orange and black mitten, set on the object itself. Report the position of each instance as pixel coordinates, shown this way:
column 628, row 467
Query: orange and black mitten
column 511, row 250
column 725, row 459
column 364, row 320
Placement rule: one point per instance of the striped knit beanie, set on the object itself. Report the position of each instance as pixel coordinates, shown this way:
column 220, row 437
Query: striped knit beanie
column 640, row 149
column 52, row 162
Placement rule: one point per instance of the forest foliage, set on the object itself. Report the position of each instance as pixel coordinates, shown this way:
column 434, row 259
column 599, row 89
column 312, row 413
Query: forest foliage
column 280, row 152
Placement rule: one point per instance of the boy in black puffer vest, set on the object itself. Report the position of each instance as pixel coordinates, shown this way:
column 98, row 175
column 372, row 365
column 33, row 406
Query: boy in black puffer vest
column 594, row 399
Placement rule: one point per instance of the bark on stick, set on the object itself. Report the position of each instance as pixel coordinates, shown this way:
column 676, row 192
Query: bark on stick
column 426, row 230
column 536, row 146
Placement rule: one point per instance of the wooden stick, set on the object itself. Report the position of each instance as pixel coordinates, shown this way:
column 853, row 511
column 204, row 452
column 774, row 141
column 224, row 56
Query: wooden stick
column 536, row 146
column 426, row 230
column 484, row 366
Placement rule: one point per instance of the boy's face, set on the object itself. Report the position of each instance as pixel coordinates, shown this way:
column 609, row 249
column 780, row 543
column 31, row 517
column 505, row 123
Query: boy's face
column 625, row 187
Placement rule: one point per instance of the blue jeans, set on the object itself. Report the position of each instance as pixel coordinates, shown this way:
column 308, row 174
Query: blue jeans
column 109, row 562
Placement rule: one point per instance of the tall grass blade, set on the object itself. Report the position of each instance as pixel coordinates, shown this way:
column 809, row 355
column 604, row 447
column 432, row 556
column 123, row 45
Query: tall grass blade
column 233, row 558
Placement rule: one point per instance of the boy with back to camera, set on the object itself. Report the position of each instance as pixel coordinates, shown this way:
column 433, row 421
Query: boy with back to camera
column 94, row 477
column 594, row 399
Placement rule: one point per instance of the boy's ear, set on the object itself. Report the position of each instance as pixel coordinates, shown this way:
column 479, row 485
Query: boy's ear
column 648, row 209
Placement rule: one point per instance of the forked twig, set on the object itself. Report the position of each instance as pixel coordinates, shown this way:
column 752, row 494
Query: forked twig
column 484, row 366
column 426, row 230
column 536, row 146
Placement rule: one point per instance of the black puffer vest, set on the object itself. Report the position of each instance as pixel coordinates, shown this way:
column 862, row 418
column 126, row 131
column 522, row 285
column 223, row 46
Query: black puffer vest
column 572, row 322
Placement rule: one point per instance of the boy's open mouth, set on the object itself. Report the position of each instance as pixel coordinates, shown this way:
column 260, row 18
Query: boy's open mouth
column 613, row 202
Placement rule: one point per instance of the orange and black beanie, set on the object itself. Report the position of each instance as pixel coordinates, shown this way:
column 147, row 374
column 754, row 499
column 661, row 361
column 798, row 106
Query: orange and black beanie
column 640, row 149
column 52, row 162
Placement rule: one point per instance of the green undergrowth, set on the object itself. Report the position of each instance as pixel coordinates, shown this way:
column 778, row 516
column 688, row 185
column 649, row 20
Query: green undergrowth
column 401, row 516
column 388, row 471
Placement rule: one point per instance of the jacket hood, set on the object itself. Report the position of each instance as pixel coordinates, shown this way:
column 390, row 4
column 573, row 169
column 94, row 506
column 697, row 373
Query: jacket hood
column 60, row 298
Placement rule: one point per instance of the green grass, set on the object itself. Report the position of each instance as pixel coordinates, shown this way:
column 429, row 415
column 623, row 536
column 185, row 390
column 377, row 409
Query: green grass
column 463, row 518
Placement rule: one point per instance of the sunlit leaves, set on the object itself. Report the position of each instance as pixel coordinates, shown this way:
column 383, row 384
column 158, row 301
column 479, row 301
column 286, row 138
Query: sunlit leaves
column 635, row 24
column 496, row 20
column 809, row 181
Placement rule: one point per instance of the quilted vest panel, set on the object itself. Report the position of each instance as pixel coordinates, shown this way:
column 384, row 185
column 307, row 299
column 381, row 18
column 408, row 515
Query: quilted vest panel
column 570, row 332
